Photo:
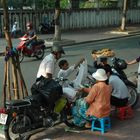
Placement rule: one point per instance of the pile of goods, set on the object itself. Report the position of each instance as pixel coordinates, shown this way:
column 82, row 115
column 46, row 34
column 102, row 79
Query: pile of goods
column 104, row 52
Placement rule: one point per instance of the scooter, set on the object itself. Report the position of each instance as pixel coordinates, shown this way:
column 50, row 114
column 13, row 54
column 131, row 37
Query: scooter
column 118, row 67
column 44, row 108
column 47, row 28
column 36, row 51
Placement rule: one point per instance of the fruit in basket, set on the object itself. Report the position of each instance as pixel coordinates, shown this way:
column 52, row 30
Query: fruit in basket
column 104, row 52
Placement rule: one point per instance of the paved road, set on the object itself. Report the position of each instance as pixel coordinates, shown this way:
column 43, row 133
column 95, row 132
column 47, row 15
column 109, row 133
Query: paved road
column 82, row 36
column 127, row 48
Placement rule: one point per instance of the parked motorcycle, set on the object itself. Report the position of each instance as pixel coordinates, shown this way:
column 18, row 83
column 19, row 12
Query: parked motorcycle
column 44, row 108
column 47, row 28
column 118, row 67
column 36, row 51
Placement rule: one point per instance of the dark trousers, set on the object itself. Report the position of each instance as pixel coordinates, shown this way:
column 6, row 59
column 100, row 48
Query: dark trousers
column 118, row 102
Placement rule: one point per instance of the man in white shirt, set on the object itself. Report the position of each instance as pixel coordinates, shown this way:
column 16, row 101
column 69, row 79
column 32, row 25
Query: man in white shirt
column 47, row 66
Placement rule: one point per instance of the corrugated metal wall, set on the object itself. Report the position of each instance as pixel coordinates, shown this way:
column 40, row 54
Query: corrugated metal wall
column 76, row 19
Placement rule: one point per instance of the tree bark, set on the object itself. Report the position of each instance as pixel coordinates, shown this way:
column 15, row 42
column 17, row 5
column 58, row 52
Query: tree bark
column 123, row 24
column 57, row 34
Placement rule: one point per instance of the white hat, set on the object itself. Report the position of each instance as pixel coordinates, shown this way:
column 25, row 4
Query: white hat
column 100, row 75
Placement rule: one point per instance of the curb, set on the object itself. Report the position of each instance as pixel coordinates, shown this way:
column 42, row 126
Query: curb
column 104, row 39
column 134, row 33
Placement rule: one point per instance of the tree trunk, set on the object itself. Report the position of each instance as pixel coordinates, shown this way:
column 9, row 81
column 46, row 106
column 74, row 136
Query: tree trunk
column 124, row 16
column 57, row 35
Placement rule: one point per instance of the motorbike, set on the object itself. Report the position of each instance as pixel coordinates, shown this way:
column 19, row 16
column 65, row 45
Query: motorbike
column 37, row 50
column 47, row 28
column 118, row 67
column 35, row 111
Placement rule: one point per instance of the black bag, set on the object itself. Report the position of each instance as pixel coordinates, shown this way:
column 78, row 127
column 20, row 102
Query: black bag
column 49, row 89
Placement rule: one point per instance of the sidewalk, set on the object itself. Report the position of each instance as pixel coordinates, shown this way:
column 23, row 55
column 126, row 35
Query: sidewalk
column 82, row 36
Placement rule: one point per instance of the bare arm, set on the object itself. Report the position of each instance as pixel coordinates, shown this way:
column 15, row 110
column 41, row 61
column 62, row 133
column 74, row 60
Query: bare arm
column 49, row 75
column 79, row 62
column 132, row 62
column 34, row 37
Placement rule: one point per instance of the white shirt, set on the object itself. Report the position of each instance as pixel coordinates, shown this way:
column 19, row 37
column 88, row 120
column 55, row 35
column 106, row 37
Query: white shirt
column 47, row 66
column 65, row 73
column 120, row 90
column 14, row 28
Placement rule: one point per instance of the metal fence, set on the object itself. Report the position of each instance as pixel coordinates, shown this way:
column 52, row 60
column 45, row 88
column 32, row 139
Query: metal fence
column 72, row 19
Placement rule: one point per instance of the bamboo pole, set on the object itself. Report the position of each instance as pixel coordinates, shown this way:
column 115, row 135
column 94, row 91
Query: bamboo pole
column 21, row 78
column 11, row 63
column 9, row 42
column 8, row 80
column 4, row 84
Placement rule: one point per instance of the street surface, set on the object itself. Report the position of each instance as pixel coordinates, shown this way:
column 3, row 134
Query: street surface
column 126, row 48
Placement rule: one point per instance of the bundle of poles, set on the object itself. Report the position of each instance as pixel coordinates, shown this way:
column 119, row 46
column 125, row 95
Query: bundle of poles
column 14, row 86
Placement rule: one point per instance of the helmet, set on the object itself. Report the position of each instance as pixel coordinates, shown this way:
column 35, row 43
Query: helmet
column 57, row 49
column 29, row 24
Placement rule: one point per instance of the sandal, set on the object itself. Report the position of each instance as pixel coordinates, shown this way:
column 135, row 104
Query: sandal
column 88, row 125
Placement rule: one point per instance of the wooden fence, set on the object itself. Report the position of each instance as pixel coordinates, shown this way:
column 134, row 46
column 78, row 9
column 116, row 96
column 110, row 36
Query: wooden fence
column 75, row 19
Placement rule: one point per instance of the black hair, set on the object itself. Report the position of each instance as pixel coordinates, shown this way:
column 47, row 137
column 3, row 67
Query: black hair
column 107, row 69
column 62, row 63
column 103, row 59
column 93, row 51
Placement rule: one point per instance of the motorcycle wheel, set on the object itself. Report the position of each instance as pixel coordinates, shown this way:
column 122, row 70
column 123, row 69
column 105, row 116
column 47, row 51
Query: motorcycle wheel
column 133, row 96
column 15, row 127
column 21, row 56
column 40, row 54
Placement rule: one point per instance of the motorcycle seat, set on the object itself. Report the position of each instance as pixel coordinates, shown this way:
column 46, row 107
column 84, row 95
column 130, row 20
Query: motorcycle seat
column 18, row 103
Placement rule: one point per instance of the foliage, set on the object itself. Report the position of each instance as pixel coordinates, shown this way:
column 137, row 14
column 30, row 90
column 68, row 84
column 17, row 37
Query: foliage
column 102, row 4
column 87, row 4
column 64, row 4
column 45, row 4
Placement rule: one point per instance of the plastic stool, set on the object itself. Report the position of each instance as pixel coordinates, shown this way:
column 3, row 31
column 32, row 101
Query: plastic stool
column 125, row 112
column 105, row 124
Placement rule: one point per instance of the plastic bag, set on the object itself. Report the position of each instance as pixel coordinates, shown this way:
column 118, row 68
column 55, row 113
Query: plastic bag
column 49, row 89
column 82, row 74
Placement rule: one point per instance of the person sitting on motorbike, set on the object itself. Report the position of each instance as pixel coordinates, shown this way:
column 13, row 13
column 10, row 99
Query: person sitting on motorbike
column 47, row 66
column 119, row 95
column 31, row 34
column 65, row 70
column 69, row 87
column 98, row 98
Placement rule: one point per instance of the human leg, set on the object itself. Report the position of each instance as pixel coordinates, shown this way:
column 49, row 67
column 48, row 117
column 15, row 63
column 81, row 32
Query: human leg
column 118, row 102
